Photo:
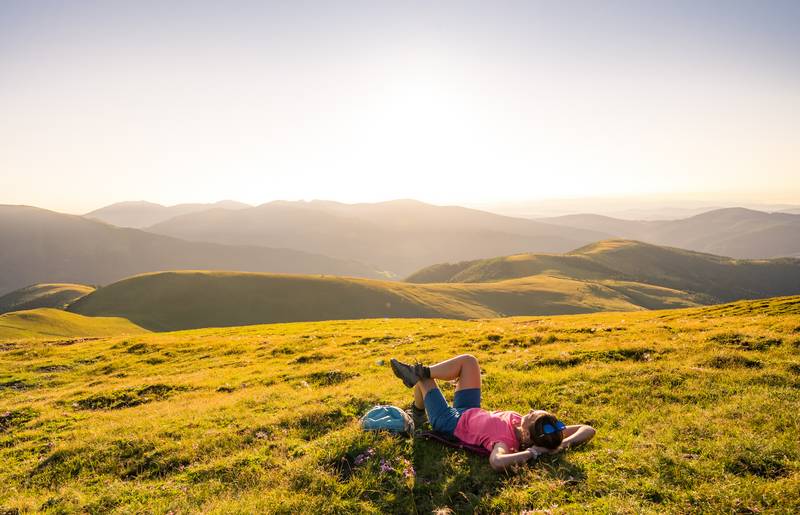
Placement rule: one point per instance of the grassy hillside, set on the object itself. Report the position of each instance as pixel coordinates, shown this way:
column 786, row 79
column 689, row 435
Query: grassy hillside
column 695, row 411
column 512, row 267
column 399, row 236
column 44, row 246
column 709, row 277
column 192, row 299
column 55, row 295
column 48, row 322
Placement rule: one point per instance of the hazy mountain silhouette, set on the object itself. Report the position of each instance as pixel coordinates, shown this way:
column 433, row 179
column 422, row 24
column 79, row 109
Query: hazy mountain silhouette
column 400, row 236
column 714, row 278
column 37, row 245
column 734, row 232
column 140, row 214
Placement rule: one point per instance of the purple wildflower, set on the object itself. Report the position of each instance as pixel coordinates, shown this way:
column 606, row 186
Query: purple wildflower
column 386, row 466
column 364, row 456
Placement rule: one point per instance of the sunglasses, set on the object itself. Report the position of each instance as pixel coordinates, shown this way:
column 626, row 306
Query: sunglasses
column 548, row 429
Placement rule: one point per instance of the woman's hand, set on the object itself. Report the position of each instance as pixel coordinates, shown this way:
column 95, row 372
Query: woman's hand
column 502, row 458
column 544, row 450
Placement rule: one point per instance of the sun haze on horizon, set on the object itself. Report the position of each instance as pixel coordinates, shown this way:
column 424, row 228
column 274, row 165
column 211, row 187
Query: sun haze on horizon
column 453, row 102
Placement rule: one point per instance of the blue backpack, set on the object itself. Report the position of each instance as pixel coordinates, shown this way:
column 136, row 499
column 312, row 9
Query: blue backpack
column 389, row 418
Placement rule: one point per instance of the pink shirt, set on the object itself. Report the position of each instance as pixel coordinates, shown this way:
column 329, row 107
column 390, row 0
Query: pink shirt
column 480, row 427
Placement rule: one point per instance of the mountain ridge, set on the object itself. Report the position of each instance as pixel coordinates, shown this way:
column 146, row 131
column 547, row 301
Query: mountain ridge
column 45, row 246
column 399, row 236
column 141, row 213
column 735, row 231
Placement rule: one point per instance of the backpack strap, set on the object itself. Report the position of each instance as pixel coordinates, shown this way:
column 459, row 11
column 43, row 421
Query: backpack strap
column 452, row 441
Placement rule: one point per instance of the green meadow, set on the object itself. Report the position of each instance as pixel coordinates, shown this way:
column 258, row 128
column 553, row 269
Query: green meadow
column 51, row 322
column 697, row 410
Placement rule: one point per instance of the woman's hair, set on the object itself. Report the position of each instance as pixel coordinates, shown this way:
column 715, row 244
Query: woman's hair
column 538, row 436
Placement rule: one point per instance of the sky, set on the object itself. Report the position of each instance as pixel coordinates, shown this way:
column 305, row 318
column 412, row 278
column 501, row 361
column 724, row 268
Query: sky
column 445, row 102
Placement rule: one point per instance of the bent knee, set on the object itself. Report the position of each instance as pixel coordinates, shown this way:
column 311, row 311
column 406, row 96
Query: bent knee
column 469, row 358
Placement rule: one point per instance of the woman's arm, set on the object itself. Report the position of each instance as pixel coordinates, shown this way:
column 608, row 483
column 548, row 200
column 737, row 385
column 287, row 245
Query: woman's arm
column 573, row 435
column 576, row 435
column 501, row 458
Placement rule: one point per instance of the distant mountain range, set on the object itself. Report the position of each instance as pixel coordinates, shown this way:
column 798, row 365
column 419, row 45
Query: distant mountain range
column 612, row 275
column 399, row 236
column 381, row 240
column 38, row 246
column 405, row 235
column 734, row 232
column 138, row 214
column 646, row 207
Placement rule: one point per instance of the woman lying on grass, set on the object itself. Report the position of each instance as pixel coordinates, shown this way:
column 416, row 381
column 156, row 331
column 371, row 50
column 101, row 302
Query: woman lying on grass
column 511, row 437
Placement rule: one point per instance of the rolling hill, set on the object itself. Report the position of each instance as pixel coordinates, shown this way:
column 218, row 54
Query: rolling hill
column 49, row 322
column 43, row 246
column 736, row 232
column 191, row 299
column 56, row 295
column 139, row 214
column 709, row 277
column 695, row 411
column 616, row 275
column 400, row 236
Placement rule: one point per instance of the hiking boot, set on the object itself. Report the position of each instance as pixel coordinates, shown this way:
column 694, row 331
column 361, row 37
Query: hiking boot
column 410, row 374
column 417, row 415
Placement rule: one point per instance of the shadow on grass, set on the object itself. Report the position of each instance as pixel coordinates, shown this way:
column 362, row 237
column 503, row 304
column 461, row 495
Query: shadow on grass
column 465, row 482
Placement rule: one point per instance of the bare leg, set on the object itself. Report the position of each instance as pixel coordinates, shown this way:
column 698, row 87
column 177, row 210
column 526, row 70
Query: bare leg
column 423, row 387
column 419, row 397
column 463, row 368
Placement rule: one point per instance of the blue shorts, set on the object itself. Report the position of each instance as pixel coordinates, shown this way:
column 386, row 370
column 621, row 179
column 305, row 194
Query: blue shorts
column 442, row 416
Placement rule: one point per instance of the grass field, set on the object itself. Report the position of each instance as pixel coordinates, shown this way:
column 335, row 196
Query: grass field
column 50, row 322
column 696, row 411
